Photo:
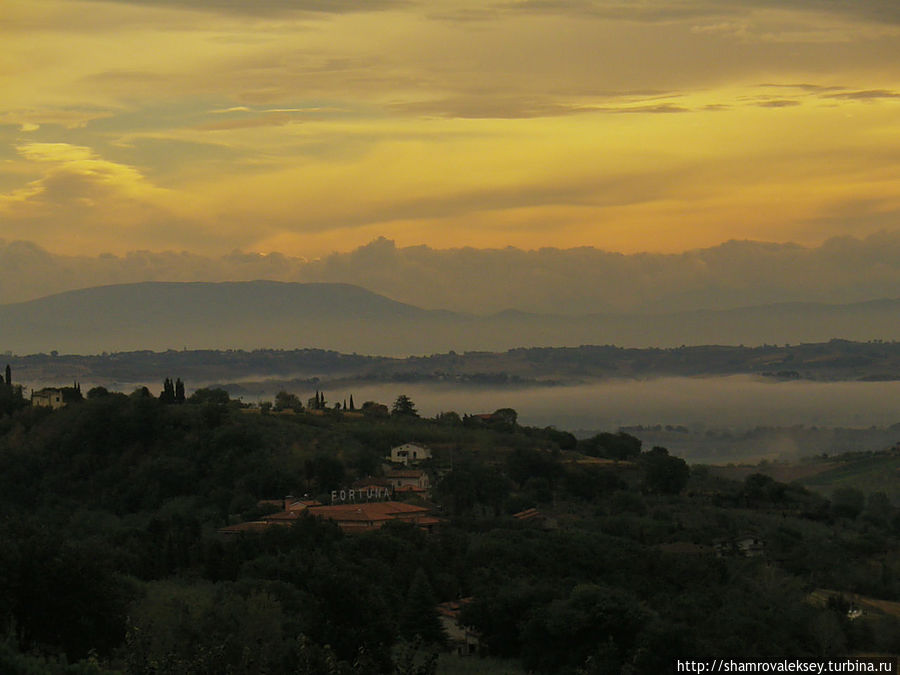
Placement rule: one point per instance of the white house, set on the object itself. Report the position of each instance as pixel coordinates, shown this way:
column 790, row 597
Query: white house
column 408, row 480
column 409, row 453
column 47, row 398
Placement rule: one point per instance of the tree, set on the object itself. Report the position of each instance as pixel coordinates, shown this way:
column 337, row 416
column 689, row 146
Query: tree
column 45, row 575
column 11, row 397
column 72, row 394
column 847, row 502
column 879, row 509
column 179, row 391
column 404, row 407
column 419, row 617
column 352, row 407
column 526, row 463
column 760, row 488
column 8, row 379
column 213, row 396
column 373, row 409
column 563, row 439
column 450, row 418
column 614, row 446
column 472, row 484
column 328, row 472
column 287, row 401
column 168, row 393
column 663, row 473
column 570, row 630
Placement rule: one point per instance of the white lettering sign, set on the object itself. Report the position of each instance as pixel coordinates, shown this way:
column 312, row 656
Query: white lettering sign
column 366, row 494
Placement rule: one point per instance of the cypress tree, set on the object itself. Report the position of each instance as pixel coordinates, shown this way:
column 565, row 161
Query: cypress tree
column 179, row 391
column 351, row 403
column 168, row 392
column 8, row 376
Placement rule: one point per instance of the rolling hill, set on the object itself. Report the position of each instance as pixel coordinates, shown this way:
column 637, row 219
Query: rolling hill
column 343, row 317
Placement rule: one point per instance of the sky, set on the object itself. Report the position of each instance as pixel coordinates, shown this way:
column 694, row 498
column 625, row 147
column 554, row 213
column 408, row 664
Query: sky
column 307, row 127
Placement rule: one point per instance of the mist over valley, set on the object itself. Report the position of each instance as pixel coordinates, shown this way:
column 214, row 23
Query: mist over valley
column 708, row 404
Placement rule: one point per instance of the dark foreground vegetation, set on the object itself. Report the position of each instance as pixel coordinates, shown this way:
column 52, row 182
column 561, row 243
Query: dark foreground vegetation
column 110, row 559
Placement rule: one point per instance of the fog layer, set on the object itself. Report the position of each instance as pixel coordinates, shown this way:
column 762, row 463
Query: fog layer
column 739, row 402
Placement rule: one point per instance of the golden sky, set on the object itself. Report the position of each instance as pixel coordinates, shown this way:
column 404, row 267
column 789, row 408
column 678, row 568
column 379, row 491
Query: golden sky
column 307, row 126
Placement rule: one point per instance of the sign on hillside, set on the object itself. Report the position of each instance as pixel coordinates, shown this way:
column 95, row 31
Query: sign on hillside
column 369, row 493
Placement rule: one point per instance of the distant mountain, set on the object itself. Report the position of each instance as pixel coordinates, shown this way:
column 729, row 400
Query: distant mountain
column 247, row 315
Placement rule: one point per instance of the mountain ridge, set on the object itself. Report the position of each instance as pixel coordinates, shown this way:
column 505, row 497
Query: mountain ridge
column 350, row 318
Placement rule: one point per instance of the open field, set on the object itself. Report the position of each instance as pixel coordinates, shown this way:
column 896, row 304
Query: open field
column 888, row 607
column 868, row 472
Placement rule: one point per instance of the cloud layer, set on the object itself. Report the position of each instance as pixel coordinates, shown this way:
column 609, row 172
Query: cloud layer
column 569, row 281
column 307, row 126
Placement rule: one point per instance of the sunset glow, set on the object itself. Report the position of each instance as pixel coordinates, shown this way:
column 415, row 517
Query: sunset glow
column 312, row 126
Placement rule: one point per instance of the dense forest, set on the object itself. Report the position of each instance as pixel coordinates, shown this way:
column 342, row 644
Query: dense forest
column 111, row 560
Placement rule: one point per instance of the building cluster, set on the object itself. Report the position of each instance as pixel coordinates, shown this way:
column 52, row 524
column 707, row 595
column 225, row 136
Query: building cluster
column 368, row 504
column 350, row 517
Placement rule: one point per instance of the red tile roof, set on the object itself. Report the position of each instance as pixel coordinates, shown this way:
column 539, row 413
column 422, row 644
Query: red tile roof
column 282, row 515
column 372, row 513
column 252, row 526
column 409, row 473
column 351, row 517
column 428, row 520
column 527, row 514
column 302, row 504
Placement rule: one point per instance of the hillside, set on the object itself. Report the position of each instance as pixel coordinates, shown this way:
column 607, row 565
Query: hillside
column 865, row 471
column 125, row 519
column 260, row 370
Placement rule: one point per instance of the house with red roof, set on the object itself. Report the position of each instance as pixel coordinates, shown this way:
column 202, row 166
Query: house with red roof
column 410, row 481
column 358, row 517
column 367, row 516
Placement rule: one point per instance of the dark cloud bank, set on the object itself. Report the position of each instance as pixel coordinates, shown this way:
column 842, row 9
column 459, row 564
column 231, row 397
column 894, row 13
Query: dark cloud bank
column 561, row 281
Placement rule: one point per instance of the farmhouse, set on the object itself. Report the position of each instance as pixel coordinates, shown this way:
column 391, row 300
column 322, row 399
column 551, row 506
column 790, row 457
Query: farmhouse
column 413, row 481
column 47, row 398
column 409, row 453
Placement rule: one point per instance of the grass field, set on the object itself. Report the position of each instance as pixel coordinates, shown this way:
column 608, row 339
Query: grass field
column 877, row 472
column 820, row 597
